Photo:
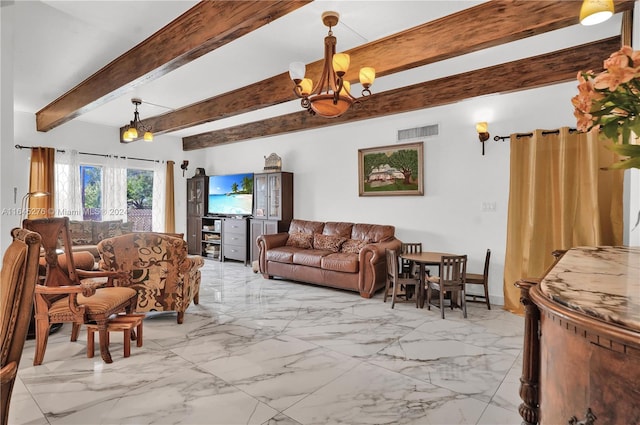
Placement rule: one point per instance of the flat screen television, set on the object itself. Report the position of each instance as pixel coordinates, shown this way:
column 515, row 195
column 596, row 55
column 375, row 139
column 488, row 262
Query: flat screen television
column 231, row 194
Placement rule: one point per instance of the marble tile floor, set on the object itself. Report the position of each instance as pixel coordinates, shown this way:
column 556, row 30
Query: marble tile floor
column 258, row 351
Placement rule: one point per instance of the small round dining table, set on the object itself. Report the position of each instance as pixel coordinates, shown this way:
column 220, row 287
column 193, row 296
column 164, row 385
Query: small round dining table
column 423, row 259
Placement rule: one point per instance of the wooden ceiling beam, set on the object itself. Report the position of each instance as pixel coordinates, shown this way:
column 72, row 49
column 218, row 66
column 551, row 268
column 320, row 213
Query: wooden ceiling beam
column 203, row 28
column 447, row 37
column 551, row 68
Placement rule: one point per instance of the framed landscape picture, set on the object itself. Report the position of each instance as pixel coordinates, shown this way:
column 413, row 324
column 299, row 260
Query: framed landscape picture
column 391, row 170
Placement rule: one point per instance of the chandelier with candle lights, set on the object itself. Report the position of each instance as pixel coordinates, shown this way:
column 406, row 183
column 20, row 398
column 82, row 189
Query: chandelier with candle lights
column 331, row 96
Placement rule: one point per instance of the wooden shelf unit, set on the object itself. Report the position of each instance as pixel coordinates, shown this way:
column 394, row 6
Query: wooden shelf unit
column 211, row 237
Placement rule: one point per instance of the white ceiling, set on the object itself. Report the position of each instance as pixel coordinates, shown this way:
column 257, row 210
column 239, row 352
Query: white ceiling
column 58, row 44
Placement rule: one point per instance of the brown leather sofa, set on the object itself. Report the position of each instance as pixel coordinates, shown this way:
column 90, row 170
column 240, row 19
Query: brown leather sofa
column 337, row 254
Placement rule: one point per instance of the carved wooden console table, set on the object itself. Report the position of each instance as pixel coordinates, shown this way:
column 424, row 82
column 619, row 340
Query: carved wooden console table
column 582, row 340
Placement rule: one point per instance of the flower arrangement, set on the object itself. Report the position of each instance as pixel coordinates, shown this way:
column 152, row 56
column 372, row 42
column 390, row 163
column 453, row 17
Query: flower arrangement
column 610, row 101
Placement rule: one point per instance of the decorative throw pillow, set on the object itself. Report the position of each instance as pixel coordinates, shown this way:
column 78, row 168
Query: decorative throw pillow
column 328, row 242
column 300, row 240
column 352, row 246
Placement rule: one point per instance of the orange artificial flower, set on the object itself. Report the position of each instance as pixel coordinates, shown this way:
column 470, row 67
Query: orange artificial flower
column 610, row 102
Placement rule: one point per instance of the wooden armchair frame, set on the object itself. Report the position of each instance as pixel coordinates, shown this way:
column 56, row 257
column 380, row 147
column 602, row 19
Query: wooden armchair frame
column 19, row 275
column 73, row 296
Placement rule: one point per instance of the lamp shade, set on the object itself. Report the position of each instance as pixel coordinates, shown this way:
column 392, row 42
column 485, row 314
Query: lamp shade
column 482, row 127
column 297, row 70
column 306, row 85
column 148, row 136
column 367, row 75
column 346, row 88
column 133, row 133
column 595, row 11
column 341, row 63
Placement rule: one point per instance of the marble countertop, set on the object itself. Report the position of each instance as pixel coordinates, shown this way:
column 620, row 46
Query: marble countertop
column 602, row 282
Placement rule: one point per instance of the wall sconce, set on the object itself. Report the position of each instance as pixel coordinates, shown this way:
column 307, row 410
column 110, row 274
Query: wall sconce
column 483, row 133
column 25, row 202
column 184, row 166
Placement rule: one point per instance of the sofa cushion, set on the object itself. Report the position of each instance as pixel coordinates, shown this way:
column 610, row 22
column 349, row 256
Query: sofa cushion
column 352, row 246
column 338, row 228
column 81, row 232
column 281, row 254
column 372, row 233
column 328, row 242
column 340, row 262
column 108, row 229
column 306, row 226
column 309, row 257
column 300, row 240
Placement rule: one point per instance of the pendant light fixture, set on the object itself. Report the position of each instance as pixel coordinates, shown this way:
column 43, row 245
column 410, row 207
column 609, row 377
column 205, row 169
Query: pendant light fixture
column 331, row 96
column 136, row 127
column 594, row 12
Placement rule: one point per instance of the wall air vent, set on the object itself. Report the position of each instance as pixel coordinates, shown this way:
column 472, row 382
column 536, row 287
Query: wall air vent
column 418, row 132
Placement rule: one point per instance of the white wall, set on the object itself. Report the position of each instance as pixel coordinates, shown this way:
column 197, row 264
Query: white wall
column 6, row 120
column 458, row 179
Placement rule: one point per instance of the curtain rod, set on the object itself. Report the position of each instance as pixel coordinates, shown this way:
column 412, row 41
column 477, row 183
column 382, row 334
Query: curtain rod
column 95, row 154
column 520, row 135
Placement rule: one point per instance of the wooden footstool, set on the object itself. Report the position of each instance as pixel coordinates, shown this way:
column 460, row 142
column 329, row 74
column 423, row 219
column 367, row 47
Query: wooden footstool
column 122, row 322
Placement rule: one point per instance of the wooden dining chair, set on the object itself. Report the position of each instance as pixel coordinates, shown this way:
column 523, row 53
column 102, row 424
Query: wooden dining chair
column 73, row 296
column 453, row 270
column 409, row 267
column 398, row 284
column 480, row 279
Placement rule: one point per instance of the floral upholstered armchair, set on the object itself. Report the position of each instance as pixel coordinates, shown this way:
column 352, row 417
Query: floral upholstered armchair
column 158, row 267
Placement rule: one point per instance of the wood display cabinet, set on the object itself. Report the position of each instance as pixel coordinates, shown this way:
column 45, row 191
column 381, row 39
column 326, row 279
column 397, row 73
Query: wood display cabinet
column 272, row 206
column 211, row 245
column 196, row 209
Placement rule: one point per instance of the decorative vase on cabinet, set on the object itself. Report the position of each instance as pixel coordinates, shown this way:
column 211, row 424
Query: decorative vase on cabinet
column 272, row 206
column 196, row 209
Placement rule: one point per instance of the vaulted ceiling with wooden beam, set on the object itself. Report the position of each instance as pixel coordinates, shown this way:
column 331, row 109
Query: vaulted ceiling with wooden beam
column 215, row 72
